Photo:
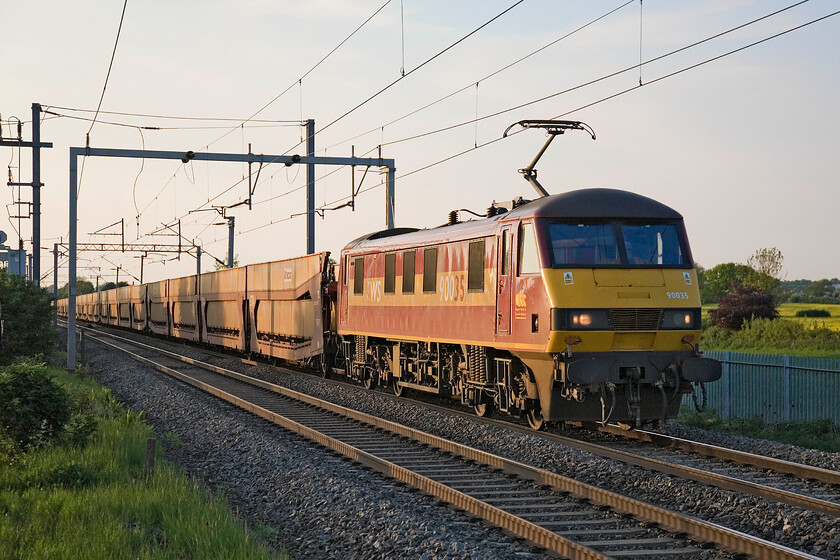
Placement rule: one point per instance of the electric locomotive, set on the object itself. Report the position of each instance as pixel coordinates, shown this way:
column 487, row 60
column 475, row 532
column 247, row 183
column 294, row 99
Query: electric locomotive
column 582, row 306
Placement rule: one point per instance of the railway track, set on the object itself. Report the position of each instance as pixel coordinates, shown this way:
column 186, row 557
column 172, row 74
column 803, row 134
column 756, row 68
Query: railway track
column 786, row 482
column 557, row 513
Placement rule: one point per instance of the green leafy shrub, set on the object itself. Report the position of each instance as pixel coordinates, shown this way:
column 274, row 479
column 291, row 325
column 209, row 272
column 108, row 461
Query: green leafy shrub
column 34, row 409
column 27, row 317
column 780, row 336
column 79, row 428
column 813, row 313
column 744, row 303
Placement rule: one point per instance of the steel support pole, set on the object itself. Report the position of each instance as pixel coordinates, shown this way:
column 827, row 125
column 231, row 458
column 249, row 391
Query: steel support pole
column 71, row 290
column 310, row 188
column 231, row 221
column 55, row 286
column 36, row 193
column 198, row 260
column 389, row 198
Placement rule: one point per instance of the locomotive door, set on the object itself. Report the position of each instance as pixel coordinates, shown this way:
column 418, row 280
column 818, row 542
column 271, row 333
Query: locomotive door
column 503, row 273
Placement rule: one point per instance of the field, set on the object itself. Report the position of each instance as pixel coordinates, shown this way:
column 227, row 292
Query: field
column 788, row 311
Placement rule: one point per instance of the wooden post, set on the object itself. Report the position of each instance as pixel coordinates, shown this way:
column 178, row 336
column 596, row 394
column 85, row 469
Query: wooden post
column 150, row 458
column 82, row 354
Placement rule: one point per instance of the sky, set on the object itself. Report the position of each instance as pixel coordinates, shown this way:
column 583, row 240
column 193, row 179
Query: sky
column 746, row 146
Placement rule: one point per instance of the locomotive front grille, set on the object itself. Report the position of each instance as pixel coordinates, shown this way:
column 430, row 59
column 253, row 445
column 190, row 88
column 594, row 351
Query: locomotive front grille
column 635, row 319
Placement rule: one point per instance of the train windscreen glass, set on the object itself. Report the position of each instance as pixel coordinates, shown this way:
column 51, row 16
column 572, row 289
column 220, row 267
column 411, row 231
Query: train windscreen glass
column 583, row 244
column 616, row 244
column 653, row 244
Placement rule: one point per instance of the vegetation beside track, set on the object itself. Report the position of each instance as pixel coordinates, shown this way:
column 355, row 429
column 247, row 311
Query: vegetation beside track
column 820, row 434
column 817, row 337
column 80, row 490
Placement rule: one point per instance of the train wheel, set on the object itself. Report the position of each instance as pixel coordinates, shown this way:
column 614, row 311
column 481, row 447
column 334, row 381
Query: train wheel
column 480, row 409
column 370, row 380
column 535, row 419
column 396, row 387
column 324, row 366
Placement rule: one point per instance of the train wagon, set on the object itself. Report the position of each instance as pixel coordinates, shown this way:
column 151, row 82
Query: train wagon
column 582, row 306
column 290, row 308
column 157, row 307
column 182, row 297
column 223, row 309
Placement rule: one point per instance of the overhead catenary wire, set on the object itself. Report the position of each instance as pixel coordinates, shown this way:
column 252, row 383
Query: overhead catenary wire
column 370, row 98
column 485, row 78
column 593, row 103
column 591, row 82
column 416, row 68
column 299, row 82
column 604, row 99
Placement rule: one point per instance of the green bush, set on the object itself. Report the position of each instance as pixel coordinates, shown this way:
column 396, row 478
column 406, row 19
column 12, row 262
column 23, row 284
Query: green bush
column 813, row 313
column 27, row 317
column 34, row 409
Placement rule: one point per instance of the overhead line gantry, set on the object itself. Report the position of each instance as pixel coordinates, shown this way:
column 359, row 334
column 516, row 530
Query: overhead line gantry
column 310, row 161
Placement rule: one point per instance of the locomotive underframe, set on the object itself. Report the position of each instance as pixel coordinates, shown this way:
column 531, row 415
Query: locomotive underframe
column 626, row 387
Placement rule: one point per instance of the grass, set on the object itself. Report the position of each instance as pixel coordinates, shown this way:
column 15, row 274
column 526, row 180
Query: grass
column 820, row 434
column 94, row 502
column 796, row 336
column 788, row 311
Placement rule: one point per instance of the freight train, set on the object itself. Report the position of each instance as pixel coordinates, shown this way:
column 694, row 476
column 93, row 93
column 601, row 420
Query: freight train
column 582, row 306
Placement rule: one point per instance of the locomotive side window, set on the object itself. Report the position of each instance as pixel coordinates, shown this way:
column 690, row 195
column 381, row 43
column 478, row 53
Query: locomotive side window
column 528, row 262
column 475, row 268
column 390, row 272
column 346, row 271
column 505, row 253
column 359, row 275
column 408, row 272
column 429, row 270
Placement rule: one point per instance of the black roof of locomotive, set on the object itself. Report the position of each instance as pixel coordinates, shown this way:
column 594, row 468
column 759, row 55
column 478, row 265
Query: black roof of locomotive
column 595, row 203
column 583, row 203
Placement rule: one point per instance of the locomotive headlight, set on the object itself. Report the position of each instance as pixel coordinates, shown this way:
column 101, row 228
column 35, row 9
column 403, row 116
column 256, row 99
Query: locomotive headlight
column 676, row 319
column 580, row 319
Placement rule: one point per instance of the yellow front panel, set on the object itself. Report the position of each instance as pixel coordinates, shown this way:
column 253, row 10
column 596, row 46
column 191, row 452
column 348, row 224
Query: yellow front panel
column 581, row 288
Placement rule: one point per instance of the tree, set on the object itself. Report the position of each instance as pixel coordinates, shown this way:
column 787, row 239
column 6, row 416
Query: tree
column 82, row 287
column 746, row 302
column 26, row 314
column 111, row 286
column 222, row 266
column 718, row 281
column 768, row 264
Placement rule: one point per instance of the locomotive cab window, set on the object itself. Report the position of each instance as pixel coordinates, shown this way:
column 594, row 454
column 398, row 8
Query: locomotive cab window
column 408, row 272
column 359, row 275
column 430, row 270
column 528, row 260
column 617, row 244
column 653, row 244
column 390, row 272
column 475, row 267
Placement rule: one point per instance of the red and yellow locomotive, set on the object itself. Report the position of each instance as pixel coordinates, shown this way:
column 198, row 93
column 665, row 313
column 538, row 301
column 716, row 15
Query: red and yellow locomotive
column 575, row 307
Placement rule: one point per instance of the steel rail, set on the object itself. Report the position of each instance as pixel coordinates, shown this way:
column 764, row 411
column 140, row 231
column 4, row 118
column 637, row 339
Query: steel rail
column 778, row 465
column 693, row 528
